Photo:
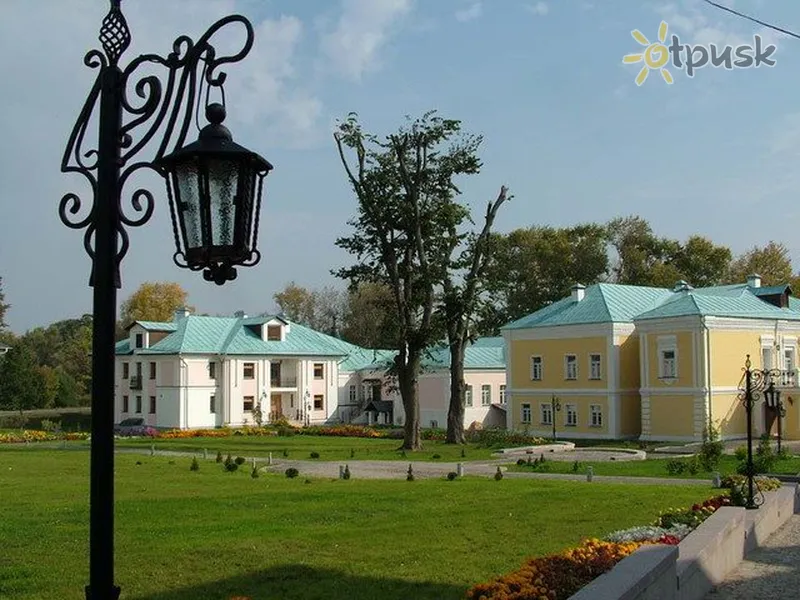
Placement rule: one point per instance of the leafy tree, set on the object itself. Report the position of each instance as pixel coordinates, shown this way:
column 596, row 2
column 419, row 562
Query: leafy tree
column 153, row 302
column 321, row 309
column 701, row 262
column 463, row 292
column 772, row 262
column 3, row 306
column 69, row 392
column 401, row 234
column 296, row 303
column 369, row 318
column 536, row 266
column 21, row 386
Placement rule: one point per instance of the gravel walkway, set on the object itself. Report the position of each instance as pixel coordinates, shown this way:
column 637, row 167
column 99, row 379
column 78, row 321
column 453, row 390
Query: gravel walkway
column 772, row 572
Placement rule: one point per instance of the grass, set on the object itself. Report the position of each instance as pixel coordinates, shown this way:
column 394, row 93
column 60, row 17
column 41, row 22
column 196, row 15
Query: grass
column 331, row 448
column 654, row 467
column 183, row 535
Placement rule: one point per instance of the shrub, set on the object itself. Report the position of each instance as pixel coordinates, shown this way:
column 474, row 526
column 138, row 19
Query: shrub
column 346, row 474
column 231, row 467
column 240, row 460
column 13, row 422
column 291, row 472
column 451, row 475
column 463, row 453
column 675, row 466
column 765, row 459
column 228, row 460
column 498, row 475
column 254, row 473
column 286, row 431
column 693, row 465
column 314, row 455
column 435, row 456
column 48, row 425
column 740, row 453
column 410, row 473
column 576, row 466
column 521, row 461
column 195, row 466
column 711, row 450
column 285, row 452
column 219, row 456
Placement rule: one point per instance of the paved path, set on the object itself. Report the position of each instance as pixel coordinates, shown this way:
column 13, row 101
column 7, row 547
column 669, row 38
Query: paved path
column 772, row 572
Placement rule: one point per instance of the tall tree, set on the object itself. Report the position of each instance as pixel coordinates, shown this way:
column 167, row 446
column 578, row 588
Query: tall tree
column 3, row 306
column 404, row 186
column 536, row 266
column 772, row 262
column 639, row 252
column 462, row 294
column 701, row 262
column 153, row 301
column 21, row 385
column 321, row 309
column 296, row 303
column 369, row 316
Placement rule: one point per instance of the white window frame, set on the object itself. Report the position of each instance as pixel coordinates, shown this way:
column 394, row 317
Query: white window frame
column 667, row 344
column 468, row 396
column 503, row 399
column 598, row 364
column 595, row 415
column 788, row 367
column 571, row 410
column 526, row 413
column 353, row 394
column 546, row 413
column 486, row 394
column 537, row 368
column 570, row 363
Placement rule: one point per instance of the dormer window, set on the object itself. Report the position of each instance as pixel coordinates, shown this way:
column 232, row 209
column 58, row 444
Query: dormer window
column 140, row 340
column 273, row 333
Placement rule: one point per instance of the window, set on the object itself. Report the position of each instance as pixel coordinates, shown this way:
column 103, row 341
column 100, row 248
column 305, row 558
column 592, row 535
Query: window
column 668, row 366
column 570, row 366
column 125, row 370
column 536, row 368
column 434, row 424
column 273, row 333
column 596, row 419
column 212, row 370
column 788, row 366
column 502, row 394
column 353, row 396
column 595, row 371
column 468, row 395
column 124, row 404
column 152, row 370
column 319, row 402
column 139, row 372
column 138, row 404
column 247, row 403
column 319, row 371
column 152, row 405
column 139, row 340
column 526, row 413
column 486, row 395
column 212, row 404
column 546, row 411
column 572, row 415
column 249, row 370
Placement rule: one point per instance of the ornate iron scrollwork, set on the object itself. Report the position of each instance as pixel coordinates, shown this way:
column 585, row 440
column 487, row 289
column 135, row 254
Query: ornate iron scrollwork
column 167, row 107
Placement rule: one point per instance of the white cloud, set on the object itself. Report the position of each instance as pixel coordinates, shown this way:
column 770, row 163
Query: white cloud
column 468, row 14
column 363, row 28
column 540, row 8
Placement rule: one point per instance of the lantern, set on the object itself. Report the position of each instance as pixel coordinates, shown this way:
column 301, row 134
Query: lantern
column 214, row 186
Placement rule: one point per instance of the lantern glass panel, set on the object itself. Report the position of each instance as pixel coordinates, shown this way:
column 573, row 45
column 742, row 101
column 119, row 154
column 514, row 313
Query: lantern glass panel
column 222, row 183
column 187, row 178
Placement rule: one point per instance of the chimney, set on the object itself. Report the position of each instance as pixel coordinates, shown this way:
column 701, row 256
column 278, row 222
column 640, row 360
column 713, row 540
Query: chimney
column 240, row 314
column 578, row 292
column 682, row 286
column 181, row 313
column 754, row 280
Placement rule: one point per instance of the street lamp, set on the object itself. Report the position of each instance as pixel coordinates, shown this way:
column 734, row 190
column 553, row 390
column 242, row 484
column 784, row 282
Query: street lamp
column 757, row 382
column 555, row 406
column 214, row 188
column 772, row 395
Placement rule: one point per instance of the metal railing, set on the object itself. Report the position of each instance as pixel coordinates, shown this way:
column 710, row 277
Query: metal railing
column 283, row 382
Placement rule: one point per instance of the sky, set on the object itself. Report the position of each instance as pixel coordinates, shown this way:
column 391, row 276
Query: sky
column 565, row 126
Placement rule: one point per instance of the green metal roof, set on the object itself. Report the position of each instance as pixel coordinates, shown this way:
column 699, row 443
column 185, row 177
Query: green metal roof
column 602, row 303
column 122, row 347
column 745, row 305
column 484, row 354
column 771, row 290
column 155, row 325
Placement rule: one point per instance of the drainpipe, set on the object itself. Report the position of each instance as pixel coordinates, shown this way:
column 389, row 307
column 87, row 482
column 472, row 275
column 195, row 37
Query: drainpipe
column 185, row 388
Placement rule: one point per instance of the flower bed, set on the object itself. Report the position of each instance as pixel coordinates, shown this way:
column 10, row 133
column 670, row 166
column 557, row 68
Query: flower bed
column 28, row 435
column 558, row 576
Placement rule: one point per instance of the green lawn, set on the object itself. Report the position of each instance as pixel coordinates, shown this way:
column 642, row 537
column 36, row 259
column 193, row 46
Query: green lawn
column 654, row 467
column 185, row 535
column 329, row 448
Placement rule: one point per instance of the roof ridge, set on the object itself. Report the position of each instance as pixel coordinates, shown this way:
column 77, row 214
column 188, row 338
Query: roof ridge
column 235, row 327
column 601, row 289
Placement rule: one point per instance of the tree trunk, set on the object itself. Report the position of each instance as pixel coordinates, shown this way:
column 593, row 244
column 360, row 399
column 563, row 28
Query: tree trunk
column 455, row 413
column 407, row 382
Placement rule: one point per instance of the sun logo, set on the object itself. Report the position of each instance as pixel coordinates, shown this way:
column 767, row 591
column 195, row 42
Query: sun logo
column 655, row 55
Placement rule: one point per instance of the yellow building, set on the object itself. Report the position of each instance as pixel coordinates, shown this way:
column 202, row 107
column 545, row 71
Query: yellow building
column 651, row 363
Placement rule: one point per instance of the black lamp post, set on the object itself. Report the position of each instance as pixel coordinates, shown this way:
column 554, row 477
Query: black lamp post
column 772, row 395
column 555, row 406
column 757, row 382
column 214, row 188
